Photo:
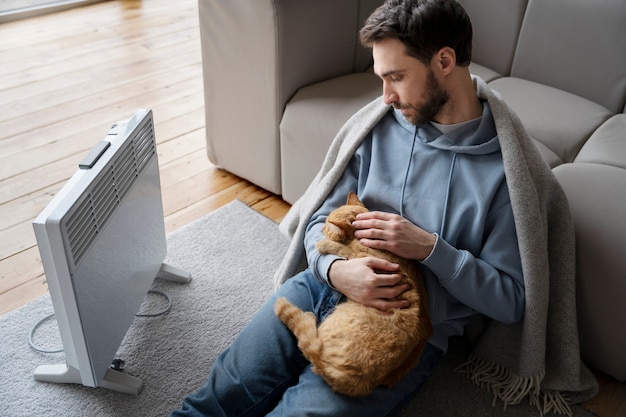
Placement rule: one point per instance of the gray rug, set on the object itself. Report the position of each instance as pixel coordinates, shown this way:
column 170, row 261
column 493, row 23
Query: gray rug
column 231, row 254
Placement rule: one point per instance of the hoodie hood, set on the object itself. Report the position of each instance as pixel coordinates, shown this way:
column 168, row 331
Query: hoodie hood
column 467, row 139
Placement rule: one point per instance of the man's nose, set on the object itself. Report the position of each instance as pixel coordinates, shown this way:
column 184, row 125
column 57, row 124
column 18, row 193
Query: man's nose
column 389, row 94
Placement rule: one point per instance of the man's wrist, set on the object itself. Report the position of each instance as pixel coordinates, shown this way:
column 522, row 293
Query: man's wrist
column 328, row 274
column 432, row 247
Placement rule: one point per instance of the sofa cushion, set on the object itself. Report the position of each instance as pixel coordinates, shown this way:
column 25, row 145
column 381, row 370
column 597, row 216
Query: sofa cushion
column 560, row 120
column 607, row 145
column 483, row 72
column 576, row 46
column 597, row 196
column 312, row 119
column 550, row 157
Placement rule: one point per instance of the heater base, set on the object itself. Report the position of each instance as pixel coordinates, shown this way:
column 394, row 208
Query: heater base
column 65, row 374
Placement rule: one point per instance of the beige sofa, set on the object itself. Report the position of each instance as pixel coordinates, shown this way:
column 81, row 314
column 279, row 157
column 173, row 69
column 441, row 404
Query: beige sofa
column 281, row 77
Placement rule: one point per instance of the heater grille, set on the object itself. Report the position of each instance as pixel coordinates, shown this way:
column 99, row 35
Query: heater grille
column 106, row 193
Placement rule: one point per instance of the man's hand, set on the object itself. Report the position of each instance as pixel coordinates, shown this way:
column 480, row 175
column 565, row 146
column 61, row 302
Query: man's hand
column 395, row 234
column 370, row 281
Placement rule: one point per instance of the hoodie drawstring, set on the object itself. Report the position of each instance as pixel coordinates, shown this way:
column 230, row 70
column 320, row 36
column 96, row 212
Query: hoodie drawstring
column 445, row 207
column 406, row 174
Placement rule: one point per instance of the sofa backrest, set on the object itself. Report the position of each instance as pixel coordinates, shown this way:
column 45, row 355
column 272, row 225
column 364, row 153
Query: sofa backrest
column 308, row 52
column 496, row 25
column 575, row 45
column 363, row 56
column 256, row 54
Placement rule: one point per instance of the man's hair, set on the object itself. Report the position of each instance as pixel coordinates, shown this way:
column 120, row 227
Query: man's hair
column 423, row 26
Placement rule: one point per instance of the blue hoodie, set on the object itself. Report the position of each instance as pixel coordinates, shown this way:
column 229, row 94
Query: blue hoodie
column 449, row 184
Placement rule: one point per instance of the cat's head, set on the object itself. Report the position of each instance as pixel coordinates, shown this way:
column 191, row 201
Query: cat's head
column 338, row 225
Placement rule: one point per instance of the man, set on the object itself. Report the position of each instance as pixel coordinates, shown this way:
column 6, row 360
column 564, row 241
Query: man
column 432, row 159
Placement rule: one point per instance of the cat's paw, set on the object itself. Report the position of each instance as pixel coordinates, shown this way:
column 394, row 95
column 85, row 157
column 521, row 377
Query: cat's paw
column 334, row 232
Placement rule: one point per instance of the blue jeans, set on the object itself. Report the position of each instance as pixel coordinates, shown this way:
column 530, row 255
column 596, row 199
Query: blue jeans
column 263, row 373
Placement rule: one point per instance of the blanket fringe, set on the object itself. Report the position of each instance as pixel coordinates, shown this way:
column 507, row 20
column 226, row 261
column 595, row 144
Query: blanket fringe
column 511, row 389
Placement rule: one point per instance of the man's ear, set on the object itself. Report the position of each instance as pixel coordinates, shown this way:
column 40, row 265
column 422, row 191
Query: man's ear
column 444, row 60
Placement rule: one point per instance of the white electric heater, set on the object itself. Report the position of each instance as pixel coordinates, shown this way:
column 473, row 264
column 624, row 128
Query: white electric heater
column 102, row 242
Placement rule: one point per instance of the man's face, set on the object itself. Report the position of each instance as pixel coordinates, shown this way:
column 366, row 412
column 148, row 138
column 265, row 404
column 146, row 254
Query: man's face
column 408, row 85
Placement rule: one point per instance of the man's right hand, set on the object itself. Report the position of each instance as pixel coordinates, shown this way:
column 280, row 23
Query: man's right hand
column 370, row 281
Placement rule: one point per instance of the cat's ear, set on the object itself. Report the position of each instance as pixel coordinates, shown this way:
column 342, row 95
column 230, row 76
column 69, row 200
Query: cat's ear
column 353, row 200
column 334, row 232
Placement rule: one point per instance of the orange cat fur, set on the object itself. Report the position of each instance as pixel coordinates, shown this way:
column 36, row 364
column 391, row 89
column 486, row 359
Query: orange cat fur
column 357, row 348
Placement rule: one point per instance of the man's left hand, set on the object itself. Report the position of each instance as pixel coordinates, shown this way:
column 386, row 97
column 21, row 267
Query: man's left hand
column 393, row 233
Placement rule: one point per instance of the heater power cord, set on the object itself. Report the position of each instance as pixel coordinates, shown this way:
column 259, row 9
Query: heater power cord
column 165, row 310
column 32, row 344
column 32, row 332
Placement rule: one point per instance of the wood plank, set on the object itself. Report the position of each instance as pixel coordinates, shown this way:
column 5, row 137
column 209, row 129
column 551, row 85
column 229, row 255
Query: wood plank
column 19, row 269
column 74, row 135
column 26, row 207
column 26, row 265
column 176, row 199
column 16, row 239
column 178, row 170
column 19, row 236
column 132, row 63
column 22, row 294
column 241, row 190
column 153, row 90
column 87, row 36
column 15, row 183
column 611, row 399
column 272, row 207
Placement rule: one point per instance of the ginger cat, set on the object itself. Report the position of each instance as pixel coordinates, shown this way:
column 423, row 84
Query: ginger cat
column 357, row 348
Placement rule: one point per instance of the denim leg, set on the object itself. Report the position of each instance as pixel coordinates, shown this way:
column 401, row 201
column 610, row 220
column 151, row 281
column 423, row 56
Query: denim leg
column 251, row 376
column 311, row 396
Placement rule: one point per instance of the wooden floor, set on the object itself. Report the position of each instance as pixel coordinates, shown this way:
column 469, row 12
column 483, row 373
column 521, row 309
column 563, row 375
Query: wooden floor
column 66, row 77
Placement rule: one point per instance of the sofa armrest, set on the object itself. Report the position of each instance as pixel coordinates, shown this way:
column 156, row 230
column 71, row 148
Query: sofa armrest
column 597, row 196
column 256, row 55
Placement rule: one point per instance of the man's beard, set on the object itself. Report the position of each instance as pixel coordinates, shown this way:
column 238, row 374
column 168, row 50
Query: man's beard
column 437, row 98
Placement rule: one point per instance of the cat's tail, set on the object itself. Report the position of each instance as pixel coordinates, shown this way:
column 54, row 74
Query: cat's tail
column 303, row 325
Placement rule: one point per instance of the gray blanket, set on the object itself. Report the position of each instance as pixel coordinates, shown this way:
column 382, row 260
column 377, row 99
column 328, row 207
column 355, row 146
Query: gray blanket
column 537, row 358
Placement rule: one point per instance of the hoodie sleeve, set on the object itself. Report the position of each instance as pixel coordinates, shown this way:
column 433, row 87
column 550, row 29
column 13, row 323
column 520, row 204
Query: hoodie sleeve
column 319, row 263
column 489, row 282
